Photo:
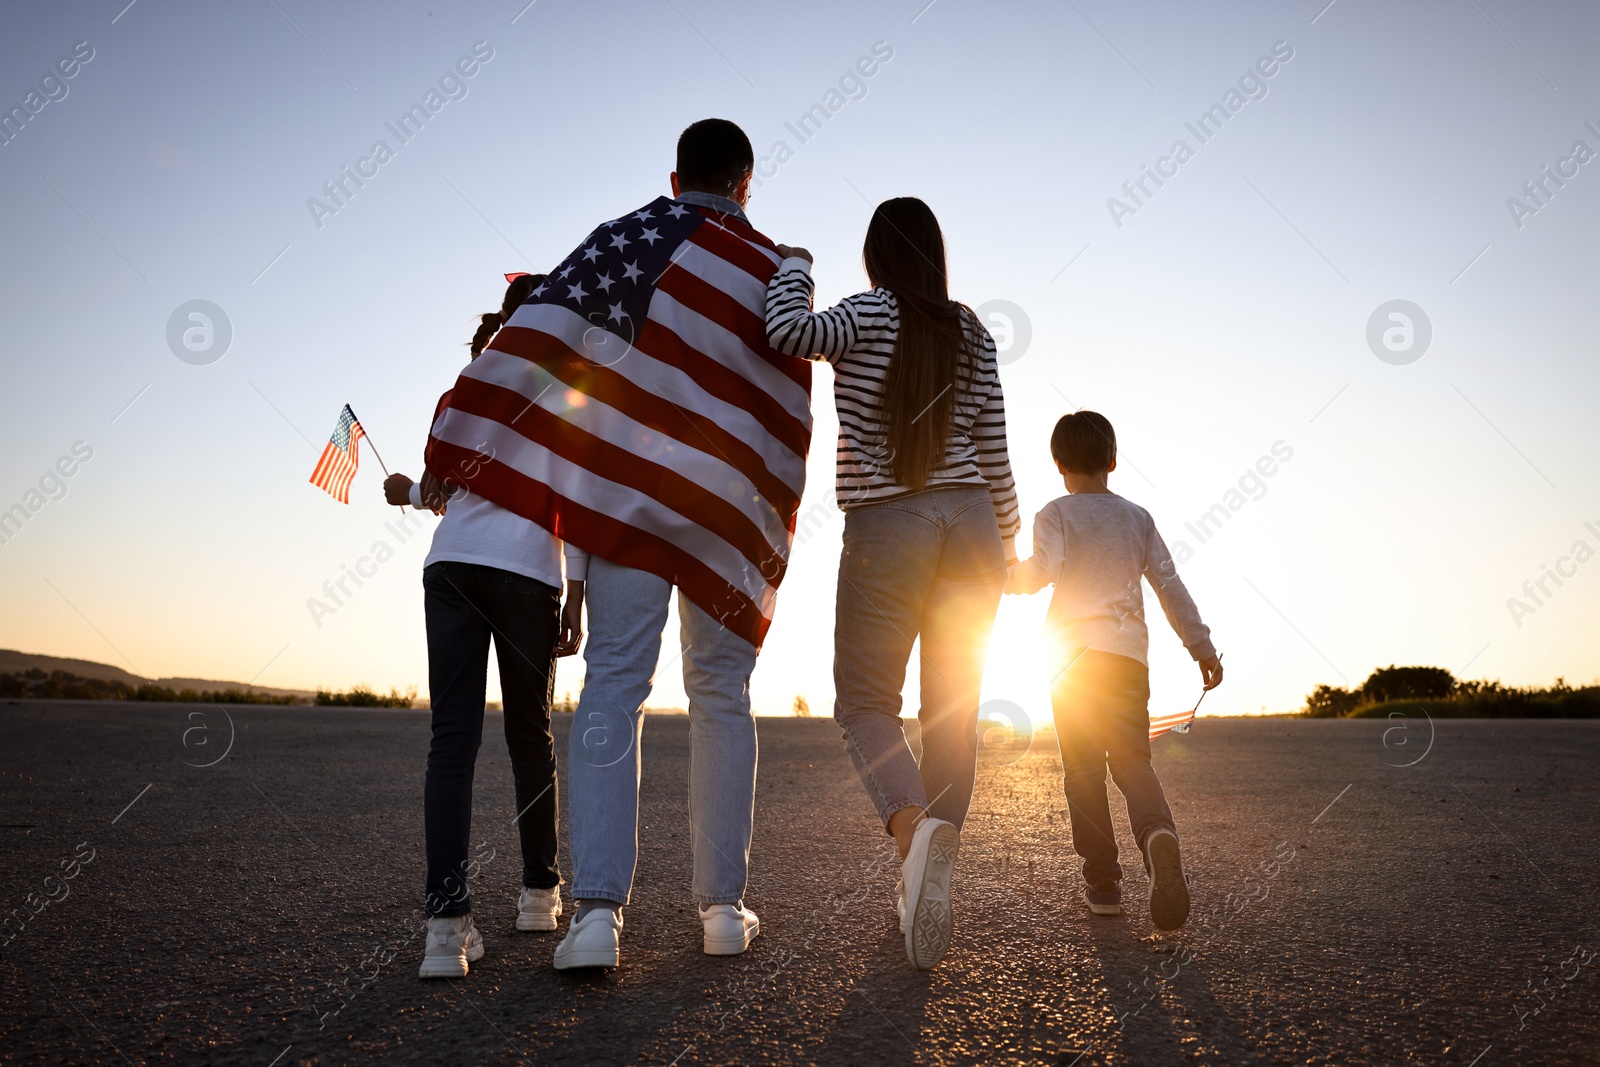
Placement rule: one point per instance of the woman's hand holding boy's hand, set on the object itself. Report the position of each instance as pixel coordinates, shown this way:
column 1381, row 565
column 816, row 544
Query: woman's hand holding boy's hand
column 1211, row 672
column 794, row 252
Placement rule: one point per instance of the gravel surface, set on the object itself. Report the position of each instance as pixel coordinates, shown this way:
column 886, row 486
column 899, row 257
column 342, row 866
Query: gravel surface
column 260, row 910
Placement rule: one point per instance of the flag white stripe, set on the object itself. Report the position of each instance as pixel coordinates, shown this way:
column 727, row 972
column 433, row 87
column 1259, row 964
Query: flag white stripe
column 619, row 502
column 728, row 348
column 711, row 472
column 646, row 372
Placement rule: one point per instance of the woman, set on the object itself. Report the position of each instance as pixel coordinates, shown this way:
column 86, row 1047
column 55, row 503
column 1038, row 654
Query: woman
column 930, row 516
column 490, row 573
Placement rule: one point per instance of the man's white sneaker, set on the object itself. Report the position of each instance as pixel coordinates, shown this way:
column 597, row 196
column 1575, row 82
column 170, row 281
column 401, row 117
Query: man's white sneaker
column 595, row 940
column 926, row 879
column 451, row 944
column 538, row 909
column 729, row 928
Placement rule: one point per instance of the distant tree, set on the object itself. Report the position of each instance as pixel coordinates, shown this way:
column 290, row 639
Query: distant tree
column 802, row 707
column 1331, row 702
column 1406, row 683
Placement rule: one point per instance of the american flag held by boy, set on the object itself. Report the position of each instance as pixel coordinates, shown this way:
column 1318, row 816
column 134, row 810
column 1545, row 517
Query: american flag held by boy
column 633, row 408
column 340, row 458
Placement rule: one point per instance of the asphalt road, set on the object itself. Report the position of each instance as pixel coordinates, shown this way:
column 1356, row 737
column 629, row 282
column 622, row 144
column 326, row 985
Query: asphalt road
column 260, row 910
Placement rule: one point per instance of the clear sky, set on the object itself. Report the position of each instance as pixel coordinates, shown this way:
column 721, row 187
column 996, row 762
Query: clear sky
column 1214, row 317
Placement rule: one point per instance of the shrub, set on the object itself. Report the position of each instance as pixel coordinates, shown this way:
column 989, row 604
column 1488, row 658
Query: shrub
column 362, row 696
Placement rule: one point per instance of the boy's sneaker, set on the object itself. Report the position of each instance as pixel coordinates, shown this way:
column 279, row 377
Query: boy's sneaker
column 451, row 944
column 538, row 909
column 729, row 928
column 593, row 941
column 1169, row 889
column 925, row 876
column 1104, row 900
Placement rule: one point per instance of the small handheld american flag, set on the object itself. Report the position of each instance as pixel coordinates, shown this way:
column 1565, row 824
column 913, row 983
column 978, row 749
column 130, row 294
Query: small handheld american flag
column 1179, row 722
column 340, row 458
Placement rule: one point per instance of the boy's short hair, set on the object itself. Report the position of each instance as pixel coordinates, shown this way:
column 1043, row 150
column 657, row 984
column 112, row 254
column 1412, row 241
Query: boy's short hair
column 713, row 155
column 1084, row 443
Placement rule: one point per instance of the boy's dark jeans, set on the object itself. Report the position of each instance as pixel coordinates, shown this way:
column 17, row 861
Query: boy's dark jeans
column 1102, row 717
column 465, row 604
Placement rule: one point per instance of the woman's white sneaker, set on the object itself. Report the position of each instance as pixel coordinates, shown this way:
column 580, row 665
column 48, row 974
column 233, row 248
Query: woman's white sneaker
column 729, row 928
column 594, row 940
column 925, row 875
column 451, row 944
column 538, row 909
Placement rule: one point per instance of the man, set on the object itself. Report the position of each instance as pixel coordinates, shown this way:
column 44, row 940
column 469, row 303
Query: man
column 633, row 406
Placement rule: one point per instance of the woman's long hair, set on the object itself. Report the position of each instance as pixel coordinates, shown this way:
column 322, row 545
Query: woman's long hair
column 904, row 253
column 517, row 293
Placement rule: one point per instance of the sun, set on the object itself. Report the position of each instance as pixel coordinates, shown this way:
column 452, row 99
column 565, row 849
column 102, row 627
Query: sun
column 1020, row 656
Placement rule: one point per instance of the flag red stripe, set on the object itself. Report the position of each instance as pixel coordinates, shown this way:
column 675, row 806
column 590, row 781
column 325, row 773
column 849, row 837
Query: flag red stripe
column 692, row 429
column 693, row 291
column 741, row 230
column 731, row 249
column 609, row 538
column 663, row 345
column 584, row 449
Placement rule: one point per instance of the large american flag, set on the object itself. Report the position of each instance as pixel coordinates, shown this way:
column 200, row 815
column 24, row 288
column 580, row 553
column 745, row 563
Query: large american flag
column 340, row 457
column 633, row 408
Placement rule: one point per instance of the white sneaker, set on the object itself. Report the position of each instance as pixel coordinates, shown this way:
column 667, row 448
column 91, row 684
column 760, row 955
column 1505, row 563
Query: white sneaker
column 925, row 877
column 900, row 903
column 538, row 909
column 592, row 941
column 451, row 943
column 729, row 928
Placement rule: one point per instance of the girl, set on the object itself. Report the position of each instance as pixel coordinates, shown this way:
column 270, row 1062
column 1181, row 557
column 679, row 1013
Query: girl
column 930, row 515
column 490, row 572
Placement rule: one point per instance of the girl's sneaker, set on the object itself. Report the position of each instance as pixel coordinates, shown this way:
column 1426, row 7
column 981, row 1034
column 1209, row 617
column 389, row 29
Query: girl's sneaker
column 451, row 944
column 538, row 909
column 1103, row 900
column 925, row 877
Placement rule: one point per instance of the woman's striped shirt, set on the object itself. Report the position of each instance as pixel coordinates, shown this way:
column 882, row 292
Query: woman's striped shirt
column 857, row 336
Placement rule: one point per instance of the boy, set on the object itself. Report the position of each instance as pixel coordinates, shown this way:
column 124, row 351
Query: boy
column 1095, row 546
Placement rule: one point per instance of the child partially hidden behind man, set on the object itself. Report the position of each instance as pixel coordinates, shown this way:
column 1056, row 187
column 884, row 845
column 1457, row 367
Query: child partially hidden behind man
column 1094, row 546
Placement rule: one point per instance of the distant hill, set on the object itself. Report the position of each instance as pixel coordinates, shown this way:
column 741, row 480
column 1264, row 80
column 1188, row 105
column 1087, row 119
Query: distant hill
column 14, row 662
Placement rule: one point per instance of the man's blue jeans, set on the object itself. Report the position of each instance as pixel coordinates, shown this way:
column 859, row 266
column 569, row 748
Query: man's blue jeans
column 627, row 613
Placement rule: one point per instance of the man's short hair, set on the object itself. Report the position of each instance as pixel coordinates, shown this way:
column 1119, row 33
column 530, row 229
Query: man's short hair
column 1084, row 443
column 713, row 156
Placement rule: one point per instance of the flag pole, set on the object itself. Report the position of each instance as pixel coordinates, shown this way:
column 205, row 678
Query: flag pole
column 384, row 466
